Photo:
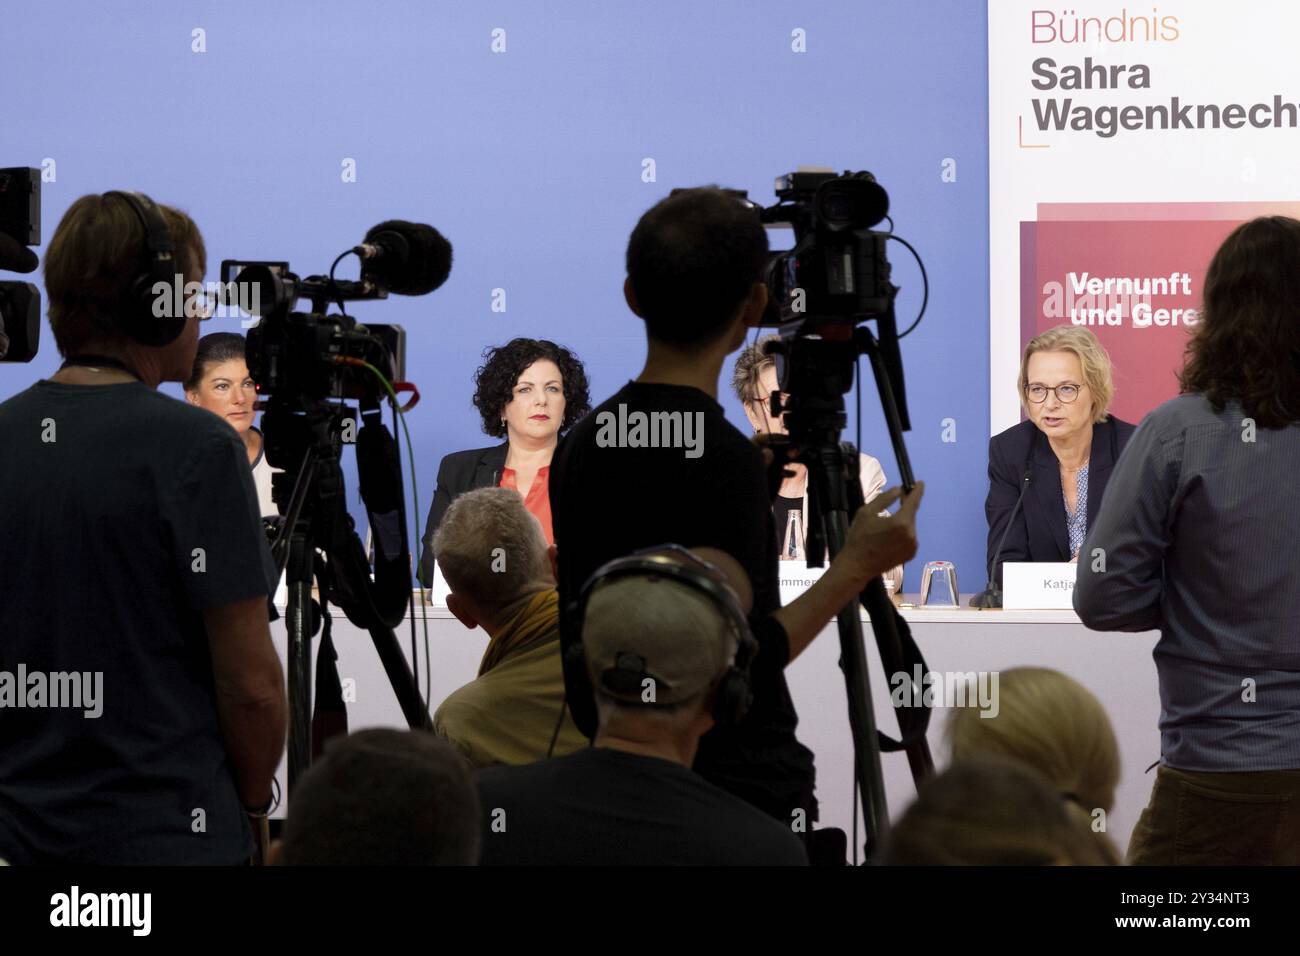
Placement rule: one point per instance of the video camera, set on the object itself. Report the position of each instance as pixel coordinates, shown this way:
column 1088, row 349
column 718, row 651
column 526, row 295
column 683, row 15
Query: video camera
column 20, row 227
column 837, row 270
column 308, row 362
column 822, row 295
column 318, row 355
column 823, row 290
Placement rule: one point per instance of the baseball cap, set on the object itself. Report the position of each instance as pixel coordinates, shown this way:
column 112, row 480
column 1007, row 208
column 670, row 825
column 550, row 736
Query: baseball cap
column 651, row 639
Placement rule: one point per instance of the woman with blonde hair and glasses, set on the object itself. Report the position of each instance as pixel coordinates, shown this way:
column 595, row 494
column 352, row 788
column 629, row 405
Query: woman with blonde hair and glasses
column 1061, row 457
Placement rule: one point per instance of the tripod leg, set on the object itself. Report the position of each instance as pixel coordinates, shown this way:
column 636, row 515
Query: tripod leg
column 862, row 721
column 828, row 499
column 894, row 663
column 400, row 676
column 298, row 626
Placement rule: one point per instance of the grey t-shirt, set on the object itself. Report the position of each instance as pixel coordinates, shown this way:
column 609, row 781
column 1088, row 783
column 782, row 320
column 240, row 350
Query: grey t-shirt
column 123, row 514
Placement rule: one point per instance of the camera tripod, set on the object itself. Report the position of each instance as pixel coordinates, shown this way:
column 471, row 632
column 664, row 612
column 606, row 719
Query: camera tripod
column 820, row 373
column 315, row 519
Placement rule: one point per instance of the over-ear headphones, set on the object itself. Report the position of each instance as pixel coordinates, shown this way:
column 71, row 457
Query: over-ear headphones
column 733, row 693
column 136, row 317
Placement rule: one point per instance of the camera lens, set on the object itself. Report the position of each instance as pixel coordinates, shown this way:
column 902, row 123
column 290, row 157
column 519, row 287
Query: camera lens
column 851, row 204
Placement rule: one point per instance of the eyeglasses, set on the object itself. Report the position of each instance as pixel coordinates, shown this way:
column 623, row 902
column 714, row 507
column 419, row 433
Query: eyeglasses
column 765, row 401
column 1065, row 393
column 203, row 304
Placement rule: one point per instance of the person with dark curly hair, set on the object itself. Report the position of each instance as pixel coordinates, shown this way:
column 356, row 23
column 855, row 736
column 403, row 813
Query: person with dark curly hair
column 1197, row 538
column 529, row 392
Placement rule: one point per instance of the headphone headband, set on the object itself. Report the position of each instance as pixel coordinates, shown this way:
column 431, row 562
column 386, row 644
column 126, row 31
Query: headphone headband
column 138, row 319
column 734, row 693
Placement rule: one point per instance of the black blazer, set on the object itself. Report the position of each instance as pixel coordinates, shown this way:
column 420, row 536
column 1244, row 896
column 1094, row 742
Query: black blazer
column 459, row 472
column 1039, row 532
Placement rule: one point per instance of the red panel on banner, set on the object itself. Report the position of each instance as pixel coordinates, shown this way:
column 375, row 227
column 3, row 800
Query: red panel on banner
column 1136, row 283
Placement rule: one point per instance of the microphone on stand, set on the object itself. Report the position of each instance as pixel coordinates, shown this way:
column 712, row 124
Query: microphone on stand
column 991, row 596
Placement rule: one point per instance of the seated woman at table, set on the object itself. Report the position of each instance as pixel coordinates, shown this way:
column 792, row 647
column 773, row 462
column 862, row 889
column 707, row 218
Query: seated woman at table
column 1061, row 458
column 220, row 383
column 754, row 380
column 529, row 392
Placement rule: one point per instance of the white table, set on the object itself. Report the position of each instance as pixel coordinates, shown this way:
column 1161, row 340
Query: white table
column 1117, row 668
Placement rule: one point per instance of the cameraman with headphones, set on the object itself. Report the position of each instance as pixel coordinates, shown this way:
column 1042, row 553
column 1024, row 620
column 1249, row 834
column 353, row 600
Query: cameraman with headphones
column 664, row 638
column 135, row 573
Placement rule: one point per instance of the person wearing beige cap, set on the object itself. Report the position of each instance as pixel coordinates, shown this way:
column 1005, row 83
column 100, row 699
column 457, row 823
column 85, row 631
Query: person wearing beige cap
column 665, row 641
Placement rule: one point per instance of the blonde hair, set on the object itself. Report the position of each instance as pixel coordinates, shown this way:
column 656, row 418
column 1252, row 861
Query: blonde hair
column 1052, row 723
column 750, row 365
column 992, row 811
column 1094, row 361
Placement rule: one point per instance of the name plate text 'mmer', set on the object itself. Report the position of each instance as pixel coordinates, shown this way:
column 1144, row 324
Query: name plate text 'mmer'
column 796, row 578
column 1033, row 586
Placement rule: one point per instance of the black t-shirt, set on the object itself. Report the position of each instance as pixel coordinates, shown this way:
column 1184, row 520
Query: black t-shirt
column 124, row 514
column 603, row 807
column 609, row 501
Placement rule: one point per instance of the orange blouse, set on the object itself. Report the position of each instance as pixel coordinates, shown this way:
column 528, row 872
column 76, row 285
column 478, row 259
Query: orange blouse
column 538, row 499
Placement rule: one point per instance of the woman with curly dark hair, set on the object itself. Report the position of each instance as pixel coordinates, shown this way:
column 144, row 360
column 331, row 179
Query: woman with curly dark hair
column 529, row 392
column 1197, row 538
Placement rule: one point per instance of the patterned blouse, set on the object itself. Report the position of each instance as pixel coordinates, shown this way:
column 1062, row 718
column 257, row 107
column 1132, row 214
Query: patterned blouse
column 1077, row 523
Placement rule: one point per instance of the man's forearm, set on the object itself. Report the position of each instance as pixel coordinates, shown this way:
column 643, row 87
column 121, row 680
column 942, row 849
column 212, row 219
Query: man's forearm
column 804, row 618
column 253, row 731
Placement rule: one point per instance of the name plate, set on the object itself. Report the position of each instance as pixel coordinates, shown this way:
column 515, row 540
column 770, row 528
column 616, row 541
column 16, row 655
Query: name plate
column 438, row 593
column 1033, row 586
column 796, row 578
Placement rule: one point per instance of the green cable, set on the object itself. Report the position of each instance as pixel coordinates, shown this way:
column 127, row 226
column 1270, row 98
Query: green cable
column 415, row 495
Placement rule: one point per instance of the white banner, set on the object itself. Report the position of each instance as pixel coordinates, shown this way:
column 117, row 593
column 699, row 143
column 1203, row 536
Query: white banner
column 1125, row 142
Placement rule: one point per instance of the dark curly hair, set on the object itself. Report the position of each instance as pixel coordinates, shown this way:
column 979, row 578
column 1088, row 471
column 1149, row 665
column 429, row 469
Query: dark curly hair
column 1248, row 344
column 494, row 381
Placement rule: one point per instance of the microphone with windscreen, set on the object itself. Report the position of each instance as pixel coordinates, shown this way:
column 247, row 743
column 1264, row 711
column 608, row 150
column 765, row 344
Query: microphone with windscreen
column 407, row 258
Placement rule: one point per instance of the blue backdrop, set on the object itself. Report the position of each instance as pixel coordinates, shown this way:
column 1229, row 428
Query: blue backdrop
column 530, row 161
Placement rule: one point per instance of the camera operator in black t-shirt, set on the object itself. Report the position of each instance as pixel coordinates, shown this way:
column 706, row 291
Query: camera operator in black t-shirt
column 134, row 564
column 694, row 266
